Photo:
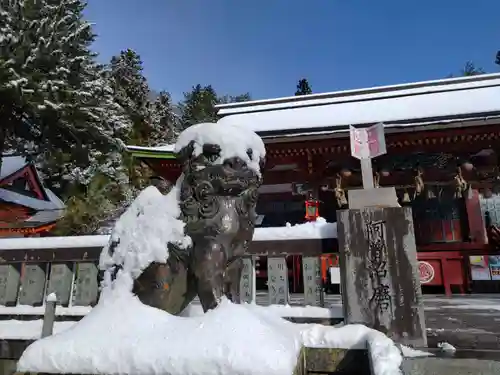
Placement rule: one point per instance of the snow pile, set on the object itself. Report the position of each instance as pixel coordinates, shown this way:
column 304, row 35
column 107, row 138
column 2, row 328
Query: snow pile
column 142, row 233
column 446, row 347
column 121, row 335
column 11, row 164
column 233, row 141
column 414, row 353
column 312, row 230
column 385, row 356
column 52, row 297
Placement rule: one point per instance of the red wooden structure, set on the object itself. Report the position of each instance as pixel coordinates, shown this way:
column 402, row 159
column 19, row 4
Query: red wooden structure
column 443, row 147
column 27, row 208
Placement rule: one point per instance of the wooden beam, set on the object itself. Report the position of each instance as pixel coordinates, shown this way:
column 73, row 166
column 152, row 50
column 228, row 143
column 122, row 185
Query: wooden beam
column 50, row 255
column 305, row 247
column 284, row 177
column 437, row 140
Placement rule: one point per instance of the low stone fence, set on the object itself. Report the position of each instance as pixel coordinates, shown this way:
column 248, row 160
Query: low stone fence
column 29, row 273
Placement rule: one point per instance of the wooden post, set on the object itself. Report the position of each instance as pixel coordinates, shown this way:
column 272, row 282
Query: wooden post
column 50, row 315
column 367, row 173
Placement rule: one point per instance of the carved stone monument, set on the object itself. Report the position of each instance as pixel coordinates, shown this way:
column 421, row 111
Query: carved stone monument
column 217, row 202
column 379, row 274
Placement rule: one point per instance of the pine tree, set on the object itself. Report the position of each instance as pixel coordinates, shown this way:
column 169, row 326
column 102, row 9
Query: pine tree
column 236, row 99
column 94, row 210
column 199, row 106
column 468, row 70
column 151, row 115
column 303, row 88
column 165, row 122
column 131, row 91
column 55, row 98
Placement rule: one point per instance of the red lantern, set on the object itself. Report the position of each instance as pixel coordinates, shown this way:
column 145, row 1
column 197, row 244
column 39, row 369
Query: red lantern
column 312, row 209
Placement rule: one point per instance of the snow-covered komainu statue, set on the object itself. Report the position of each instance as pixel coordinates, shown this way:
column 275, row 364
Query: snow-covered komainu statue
column 215, row 199
column 218, row 196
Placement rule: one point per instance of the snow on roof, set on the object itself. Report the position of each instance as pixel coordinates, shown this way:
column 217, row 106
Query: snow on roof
column 44, row 217
column 164, row 148
column 11, row 164
column 421, row 100
column 24, row 200
column 56, row 201
column 234, row 141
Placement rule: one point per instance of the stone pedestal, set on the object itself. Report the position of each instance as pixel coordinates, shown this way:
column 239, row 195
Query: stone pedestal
column 379, row 274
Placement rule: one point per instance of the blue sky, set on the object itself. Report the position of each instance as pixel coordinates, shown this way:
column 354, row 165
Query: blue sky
column 265, row 46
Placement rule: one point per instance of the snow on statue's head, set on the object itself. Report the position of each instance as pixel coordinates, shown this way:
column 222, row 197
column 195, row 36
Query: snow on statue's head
column 211, row 144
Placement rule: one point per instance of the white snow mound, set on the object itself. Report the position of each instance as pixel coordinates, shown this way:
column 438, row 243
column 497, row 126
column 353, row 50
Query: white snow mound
column 312, row 229
column 143, row 232
column 233, row 141
column 123, row 336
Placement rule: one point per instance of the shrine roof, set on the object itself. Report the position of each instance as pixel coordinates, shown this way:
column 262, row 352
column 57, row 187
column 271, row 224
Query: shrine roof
column 11, row 164
column 156, row 152
column 421, row 103
column 46, row 207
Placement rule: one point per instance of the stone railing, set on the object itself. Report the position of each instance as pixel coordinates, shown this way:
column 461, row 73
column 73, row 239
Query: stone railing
column 31, row 269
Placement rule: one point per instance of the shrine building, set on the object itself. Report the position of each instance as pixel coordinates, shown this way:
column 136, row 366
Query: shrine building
column 443, row 145
column 27, row 208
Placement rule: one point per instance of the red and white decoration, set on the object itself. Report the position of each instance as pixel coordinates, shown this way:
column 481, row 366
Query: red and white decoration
column 426, row 272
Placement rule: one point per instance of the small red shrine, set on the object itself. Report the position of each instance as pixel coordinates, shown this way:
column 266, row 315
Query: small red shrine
column 27, row 208
column 443, row 155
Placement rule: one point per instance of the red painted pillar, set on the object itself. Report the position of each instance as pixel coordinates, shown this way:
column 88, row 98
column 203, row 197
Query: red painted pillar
column 446, row 278
column 475, row 218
